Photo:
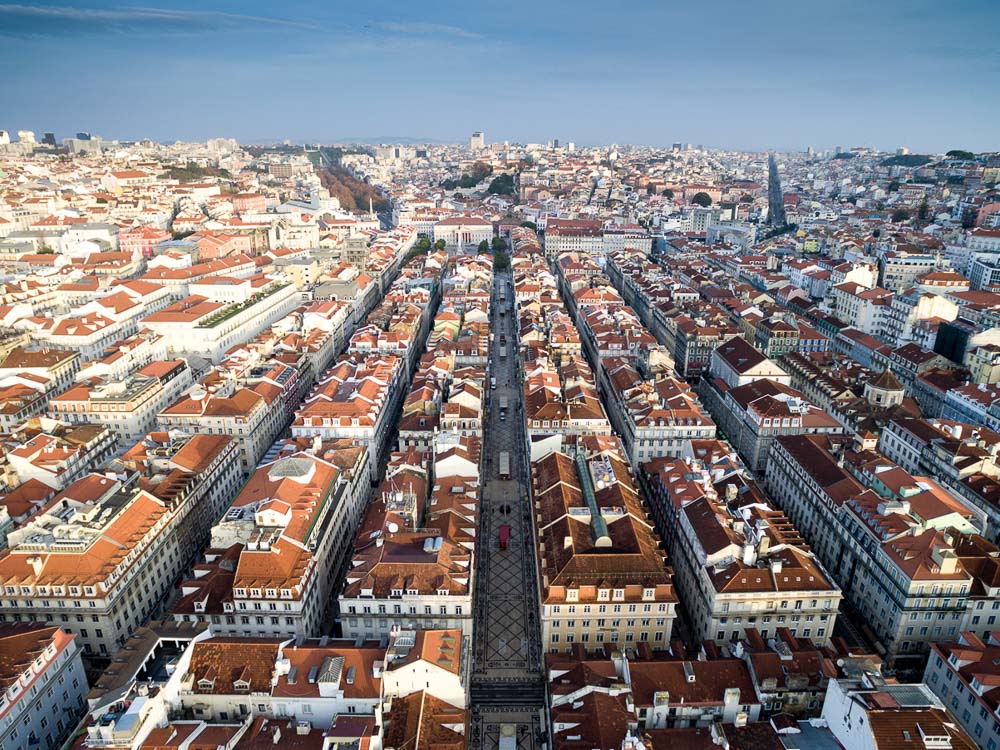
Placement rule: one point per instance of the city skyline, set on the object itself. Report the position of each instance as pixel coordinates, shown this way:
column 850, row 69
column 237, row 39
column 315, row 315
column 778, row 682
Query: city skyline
column 785, row 78
column 499, row 377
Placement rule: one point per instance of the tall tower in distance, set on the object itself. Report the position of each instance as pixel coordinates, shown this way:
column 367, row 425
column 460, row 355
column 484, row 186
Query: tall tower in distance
column 775, row 196
column 478, row 141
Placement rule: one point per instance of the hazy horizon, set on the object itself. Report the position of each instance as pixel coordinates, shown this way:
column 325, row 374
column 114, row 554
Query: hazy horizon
column 771, row 76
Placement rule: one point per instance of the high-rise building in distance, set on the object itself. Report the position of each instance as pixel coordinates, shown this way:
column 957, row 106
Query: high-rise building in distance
column 477, row 142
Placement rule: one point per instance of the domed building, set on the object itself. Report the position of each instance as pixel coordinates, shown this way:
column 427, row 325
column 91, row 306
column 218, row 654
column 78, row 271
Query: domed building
column 885, row 391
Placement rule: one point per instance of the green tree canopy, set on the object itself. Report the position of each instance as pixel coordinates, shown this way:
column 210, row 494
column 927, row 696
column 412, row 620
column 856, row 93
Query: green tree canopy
column 484, row 247
column 480, row 172
column 668, row 193
column 502, row 184
column 439, row 245
column 907, row 160
column 702, row 199
column 499, row 245
column 900, row 215
column 957, row 153
column 530, row 225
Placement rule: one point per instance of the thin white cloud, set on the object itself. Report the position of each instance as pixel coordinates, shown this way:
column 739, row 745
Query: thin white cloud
column 428, row 29
column 40, row 15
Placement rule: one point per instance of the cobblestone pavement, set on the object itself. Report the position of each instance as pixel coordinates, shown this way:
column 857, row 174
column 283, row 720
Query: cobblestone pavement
column 507, row 675
column 486, row 728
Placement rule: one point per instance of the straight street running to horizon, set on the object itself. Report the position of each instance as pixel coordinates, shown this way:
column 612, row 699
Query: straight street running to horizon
column 507, row 692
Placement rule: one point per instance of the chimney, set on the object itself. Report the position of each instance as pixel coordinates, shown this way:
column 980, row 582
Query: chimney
column 689, row 674
column 764, row 545
column 36, row 564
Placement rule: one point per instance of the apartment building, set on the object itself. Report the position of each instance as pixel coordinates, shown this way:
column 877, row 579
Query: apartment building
column 57, row 453
column 201, row 471
column 736, row 362
column 357, row 399
column 620, row 237
column 907, row 309
column 754, row 415
column 573, row 236
column 963, row 673
column 125, row 357
column 740, row 564
column 42, row 685
column 861, row 308
column 650, row 692
column 977, row 404
column 19, row 403
column 292, row 520
column 776, row 337
column 234, row 692
column 694, row 341
column 614, row 333
column 97, row 562
column 128, row 407
column 53, row 370
column 899, row 270
column 413, row 579
column 313, row 680
column 654, row 417
column 561, row 400
column 413, row 564
column 949, row 450
column 869, row 712
column 791, row 675
column 603, row 577
column 219, row 406
column 178, row 280
column 906, row 552
column 87, row 333
column 206, row 596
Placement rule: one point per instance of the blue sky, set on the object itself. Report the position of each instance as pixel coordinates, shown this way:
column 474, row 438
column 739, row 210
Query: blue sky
column 765, row 74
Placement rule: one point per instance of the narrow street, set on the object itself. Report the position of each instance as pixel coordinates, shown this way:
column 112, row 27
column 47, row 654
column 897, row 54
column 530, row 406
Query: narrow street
column 507, row 690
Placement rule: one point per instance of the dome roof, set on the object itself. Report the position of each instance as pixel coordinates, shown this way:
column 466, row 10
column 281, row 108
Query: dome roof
column 887, row 382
